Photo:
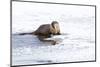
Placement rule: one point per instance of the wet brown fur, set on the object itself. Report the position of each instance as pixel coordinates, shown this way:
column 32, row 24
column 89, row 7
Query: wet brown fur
column 46, row 30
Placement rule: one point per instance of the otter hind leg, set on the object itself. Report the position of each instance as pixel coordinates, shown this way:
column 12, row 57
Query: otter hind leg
column 42, row 38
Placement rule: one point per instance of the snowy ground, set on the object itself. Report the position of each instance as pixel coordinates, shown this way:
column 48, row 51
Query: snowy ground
column 77, row 45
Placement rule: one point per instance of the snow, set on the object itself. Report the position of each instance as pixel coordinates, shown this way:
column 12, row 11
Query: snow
column 77, row 42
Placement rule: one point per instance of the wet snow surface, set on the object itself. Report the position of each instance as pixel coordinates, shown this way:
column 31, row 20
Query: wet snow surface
column 77, row 45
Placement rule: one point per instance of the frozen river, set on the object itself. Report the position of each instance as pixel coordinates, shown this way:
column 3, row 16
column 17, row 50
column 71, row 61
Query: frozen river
column 77, row 45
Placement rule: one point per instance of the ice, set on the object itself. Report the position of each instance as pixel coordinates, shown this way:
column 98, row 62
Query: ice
column 77, row 42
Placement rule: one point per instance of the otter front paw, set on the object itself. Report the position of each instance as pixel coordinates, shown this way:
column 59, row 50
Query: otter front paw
column 58, row 33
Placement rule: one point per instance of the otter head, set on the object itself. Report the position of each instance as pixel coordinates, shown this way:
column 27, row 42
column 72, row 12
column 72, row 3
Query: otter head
column 55, row 27
column 54, row 24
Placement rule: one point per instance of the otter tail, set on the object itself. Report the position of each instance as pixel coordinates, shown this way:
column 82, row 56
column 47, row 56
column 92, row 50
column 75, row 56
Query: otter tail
column 26, row 33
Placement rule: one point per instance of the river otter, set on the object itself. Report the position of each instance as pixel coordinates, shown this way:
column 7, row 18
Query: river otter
column 45, row 31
